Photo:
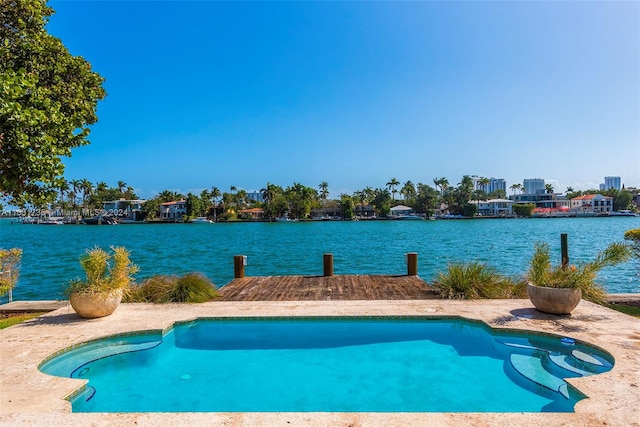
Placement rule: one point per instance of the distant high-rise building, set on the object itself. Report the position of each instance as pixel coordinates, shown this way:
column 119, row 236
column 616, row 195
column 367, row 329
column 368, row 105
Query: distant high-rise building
column 256, row 196
column 496, row 184
column 533, row 185
column 493, row 185
column 611, row 182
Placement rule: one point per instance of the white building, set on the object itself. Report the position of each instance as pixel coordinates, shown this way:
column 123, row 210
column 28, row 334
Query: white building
column 533, row 185
column 592, row 203
column 401, row 210
column 494, row 207
column 173, row 210
column 611, row 182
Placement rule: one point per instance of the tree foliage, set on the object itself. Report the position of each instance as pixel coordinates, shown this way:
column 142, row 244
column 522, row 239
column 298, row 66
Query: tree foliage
column 48, row 97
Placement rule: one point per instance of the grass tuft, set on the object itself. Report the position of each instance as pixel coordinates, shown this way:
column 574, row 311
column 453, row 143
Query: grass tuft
column 474, row 280
column 190, row 288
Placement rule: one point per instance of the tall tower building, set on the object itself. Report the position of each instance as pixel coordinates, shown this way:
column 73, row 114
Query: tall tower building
column 533, row 185
column 611, row 182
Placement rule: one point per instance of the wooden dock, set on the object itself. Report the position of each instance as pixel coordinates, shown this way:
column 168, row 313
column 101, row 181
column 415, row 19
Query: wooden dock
column 315, row 288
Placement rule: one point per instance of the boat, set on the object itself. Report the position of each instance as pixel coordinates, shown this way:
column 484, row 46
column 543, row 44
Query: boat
column 50, row 222
column 286, row 219
column 624, row 212
column 100, row 220
column 408, row 217
column 200, row 220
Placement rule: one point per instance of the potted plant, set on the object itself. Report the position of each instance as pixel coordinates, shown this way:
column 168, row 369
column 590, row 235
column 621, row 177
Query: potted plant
column 108, row 277
column 558, row 289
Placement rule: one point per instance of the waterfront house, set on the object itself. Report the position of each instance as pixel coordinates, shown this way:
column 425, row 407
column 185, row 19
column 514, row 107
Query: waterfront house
column 401, row 210
column 494, row 207
column 171, row 211
column 364, row 212
column 326, row 213
column 124, row 209
column 547, row 201
column 592, row 204
column 253, row 213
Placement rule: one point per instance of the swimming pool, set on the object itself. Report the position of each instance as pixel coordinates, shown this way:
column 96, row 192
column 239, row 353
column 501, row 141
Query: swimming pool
column 328, row 364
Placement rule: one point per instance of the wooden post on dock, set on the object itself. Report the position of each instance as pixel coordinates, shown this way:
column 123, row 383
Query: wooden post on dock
column 328, row 264
column 239, row 261
column 564, row 249
column 412, row 263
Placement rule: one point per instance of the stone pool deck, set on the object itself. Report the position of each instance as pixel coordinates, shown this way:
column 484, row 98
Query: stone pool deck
column 31, row 398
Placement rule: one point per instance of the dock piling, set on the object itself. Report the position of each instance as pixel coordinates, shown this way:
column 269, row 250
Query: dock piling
column 564, row 249
column 328, row 264
column 239, row 262
column 411, row 259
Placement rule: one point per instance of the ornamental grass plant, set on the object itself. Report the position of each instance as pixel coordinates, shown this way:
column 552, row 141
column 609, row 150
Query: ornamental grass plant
column 634, row 237
column 583, row 276
column 9, row 269
column 475, row 280
column 161, row 289
column 105, row 272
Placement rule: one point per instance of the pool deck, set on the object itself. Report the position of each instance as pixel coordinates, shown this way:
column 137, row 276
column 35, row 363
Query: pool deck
column 31, row 398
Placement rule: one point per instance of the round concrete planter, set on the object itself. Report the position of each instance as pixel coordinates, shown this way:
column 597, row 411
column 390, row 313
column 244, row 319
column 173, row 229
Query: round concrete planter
column 554, row 300
column 90, row 306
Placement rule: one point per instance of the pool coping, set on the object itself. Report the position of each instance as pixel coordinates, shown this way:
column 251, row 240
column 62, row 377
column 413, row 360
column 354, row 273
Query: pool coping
column 29, row 397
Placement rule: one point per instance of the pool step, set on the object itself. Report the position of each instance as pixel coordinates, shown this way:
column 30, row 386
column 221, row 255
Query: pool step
column 532, row 368
column 77, row 358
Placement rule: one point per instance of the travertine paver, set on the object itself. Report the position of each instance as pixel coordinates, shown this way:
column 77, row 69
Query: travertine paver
column 29, row 397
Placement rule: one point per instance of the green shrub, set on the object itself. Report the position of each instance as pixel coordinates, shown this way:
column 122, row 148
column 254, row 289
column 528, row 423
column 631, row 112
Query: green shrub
column 191, row 288
column 474, row 280
column 523, row 209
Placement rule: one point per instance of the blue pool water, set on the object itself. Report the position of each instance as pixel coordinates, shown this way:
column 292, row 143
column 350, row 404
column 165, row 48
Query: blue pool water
column 412, row 364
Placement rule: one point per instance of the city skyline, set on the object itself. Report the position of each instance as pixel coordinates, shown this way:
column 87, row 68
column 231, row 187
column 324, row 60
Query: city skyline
column 205, row 94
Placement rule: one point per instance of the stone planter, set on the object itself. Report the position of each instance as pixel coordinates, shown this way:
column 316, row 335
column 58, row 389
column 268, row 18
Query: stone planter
column 90, row 306
column 554, row 300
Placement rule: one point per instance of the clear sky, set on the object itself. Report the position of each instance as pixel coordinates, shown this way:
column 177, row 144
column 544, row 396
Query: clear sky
column 204, row 94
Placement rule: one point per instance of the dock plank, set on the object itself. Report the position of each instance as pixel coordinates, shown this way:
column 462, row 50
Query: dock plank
column 316, row 288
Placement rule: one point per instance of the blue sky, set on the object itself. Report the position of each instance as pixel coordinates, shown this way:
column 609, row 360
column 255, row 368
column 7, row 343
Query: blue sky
column 204, row 94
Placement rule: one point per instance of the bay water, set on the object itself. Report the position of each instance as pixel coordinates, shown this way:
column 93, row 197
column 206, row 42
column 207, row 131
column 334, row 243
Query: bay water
column 51, row 253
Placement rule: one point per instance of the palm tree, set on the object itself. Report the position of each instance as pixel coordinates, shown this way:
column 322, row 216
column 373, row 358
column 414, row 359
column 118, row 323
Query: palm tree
column 482, row 182
column 324, row 192
column 569, row 189
column 241, row 198
column 515, row 187
column 76, row 185
column 63, row 188
column 101, row 187
column 87, row 190
column 548, row 188
column 391, row 185
column 122, row 186
column 408, row 191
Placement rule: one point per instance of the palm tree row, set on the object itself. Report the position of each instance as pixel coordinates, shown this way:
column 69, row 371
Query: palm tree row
column 296, row 201
column 78, row 194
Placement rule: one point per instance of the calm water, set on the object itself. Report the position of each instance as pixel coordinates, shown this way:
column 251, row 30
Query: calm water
column 320, row 364
column 51, row 253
